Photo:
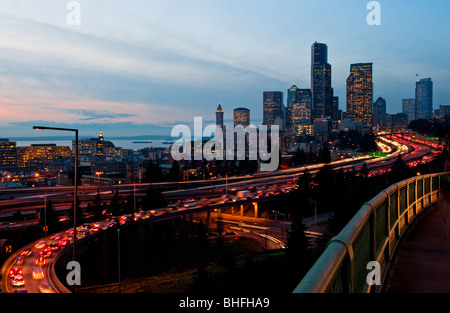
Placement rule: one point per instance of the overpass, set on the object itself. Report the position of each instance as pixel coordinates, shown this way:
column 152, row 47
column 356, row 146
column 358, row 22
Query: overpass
column 377, row 233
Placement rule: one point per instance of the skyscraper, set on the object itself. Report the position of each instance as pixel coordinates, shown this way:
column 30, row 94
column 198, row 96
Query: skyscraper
column 360, row 93
column 424, row 98
column 219, row 116
column 291, row 99
column 301, row 113
column 8, row 153
column 409, row 108
column 322, row 93
column 241, row 116
column 379, row 113
column 272, row 107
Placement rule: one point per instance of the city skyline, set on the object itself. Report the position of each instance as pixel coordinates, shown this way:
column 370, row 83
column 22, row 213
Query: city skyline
column 136, row 68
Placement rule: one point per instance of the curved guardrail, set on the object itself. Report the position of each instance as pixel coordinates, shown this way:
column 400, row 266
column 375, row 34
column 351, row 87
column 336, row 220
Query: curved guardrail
column 373, row 234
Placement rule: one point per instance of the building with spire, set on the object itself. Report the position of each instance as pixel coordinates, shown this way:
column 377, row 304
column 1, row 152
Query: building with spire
column 219, row 116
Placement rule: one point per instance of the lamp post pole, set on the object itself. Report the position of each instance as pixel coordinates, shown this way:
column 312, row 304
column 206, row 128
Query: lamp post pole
column 75, row 195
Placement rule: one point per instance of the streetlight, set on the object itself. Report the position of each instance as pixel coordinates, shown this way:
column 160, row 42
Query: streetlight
column 75, row 180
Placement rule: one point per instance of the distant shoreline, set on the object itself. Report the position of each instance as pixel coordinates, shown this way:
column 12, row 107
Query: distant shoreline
column 64, row 138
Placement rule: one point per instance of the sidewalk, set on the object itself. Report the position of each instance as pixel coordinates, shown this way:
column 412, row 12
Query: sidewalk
column 423, row 261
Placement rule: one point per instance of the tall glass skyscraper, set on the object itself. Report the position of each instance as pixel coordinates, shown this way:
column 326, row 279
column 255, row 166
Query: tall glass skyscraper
column 379, row 113
column 322, row 93
column 424, row 98
column 292, row 96
column 360, row 93
column 272, row 107
column 301, row 113
column 409, row 108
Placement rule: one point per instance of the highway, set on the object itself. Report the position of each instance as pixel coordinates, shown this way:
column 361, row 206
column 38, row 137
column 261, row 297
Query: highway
column 265, row 188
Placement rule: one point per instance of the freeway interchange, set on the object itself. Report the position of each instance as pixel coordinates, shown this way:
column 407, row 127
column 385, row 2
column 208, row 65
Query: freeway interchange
column 30, row 269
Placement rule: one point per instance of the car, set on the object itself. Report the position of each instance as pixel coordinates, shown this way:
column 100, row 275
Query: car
column 229, row 233
column 15, row 270
column 56, row 236
column 63, row 242
column 19, row 260
column 54, row 246
column 70, row 231
column 45, row 288
column 40, row 261
column 38, row 273
column 40, row 244
column 46, row 253
column 83, row 232
column 112, row 223
column 86, row 226
column 18, row 281
column 99, row 225
column 27, row 252
column 63, row 218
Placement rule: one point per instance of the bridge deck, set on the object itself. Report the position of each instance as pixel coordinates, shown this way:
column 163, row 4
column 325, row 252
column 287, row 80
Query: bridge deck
column 423, row 261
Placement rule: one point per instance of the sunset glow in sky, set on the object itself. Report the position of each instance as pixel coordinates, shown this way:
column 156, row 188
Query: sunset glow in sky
column 133, row 64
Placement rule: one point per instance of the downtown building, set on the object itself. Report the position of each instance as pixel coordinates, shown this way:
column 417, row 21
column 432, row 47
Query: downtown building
column 241, row 116
column 409, row 108
column 8, row 153
column 424, row 98
column 360, row 93
column 38, row 154
column 302, row 113
column 379, row 114
column 219, row 116
column 322, row 93
column 273, row 107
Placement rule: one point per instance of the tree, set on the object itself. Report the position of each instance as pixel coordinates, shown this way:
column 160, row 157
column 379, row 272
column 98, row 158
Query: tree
column 400, row 170
column 48, row 215
column 174, row 172
column 296, row 246
column 154, row 199
column 115, row 204
column 129, row 204
column 97, row 205
column 153, row 173
column 364, row 170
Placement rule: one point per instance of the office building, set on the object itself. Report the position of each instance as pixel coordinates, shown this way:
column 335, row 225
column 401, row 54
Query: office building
column 424, row 98
column 302, row 113
column 322, row 93
column 219, row 116
column 379, row 114
column 241, row 116
column 360, row 93
column 8, row 153
column 409, row 108
column 291, row 99
column 39, row 153
column 98, row 147
column 397, row 122
column 273, row 107
column 444, row 110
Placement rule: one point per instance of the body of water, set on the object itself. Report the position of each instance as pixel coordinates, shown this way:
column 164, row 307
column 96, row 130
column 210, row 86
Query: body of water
column 122, row 143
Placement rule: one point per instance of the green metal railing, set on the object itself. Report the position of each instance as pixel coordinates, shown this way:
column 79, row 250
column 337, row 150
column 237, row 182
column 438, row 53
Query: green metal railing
column 373, row 234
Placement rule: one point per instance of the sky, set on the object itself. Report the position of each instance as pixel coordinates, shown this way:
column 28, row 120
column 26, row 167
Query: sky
column 140, row 67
